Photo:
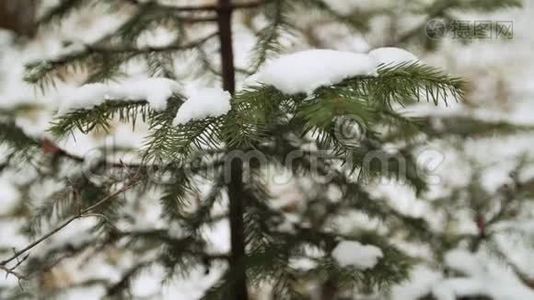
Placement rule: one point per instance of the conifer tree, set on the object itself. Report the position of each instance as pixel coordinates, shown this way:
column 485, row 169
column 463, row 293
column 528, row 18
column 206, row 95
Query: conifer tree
column 474, row 232
column 333, row 136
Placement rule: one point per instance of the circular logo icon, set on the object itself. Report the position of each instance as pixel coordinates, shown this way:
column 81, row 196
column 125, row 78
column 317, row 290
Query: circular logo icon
column 349, row 129
column 436, row 29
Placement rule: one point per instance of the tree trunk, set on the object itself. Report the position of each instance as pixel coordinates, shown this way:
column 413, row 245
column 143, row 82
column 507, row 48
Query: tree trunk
column 238, row 282
column 18, row 16
column 238, row 287
column 227, row 53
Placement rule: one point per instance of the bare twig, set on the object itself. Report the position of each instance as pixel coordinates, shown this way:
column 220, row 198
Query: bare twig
column 201, row 8
column 11, row 271
column 171, row 47
column 81, row 214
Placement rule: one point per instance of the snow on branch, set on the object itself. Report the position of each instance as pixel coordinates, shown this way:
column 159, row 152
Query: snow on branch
column 305, row 71
column 352, row 253
column 385, row 74
column 203, row 103
column 156, row 91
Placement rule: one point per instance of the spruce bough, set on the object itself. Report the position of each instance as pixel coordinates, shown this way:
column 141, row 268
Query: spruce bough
column 265, row 131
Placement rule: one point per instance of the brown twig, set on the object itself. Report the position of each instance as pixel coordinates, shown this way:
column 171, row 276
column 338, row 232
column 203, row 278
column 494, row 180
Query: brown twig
column 171, row 47
column 201, row 8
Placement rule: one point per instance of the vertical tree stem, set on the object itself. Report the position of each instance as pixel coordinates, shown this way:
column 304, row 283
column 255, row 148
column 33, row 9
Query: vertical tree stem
column 224, row 20
column 238, row 287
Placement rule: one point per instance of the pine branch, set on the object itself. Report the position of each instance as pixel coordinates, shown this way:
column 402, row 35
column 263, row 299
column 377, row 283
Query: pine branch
column 43, row 72
column 203, row 213
column 81, row 214
column 441, row 9
column 177, row 143
column 356, row 20
column 127, row 276
column 177, row 195
column 65, row 7
column 410, row 82
column 60, row 11
column 99, row 117
column 269, row 37
column 176, row 46
column 463, row 127
column 15, row 137
column 481, row 5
